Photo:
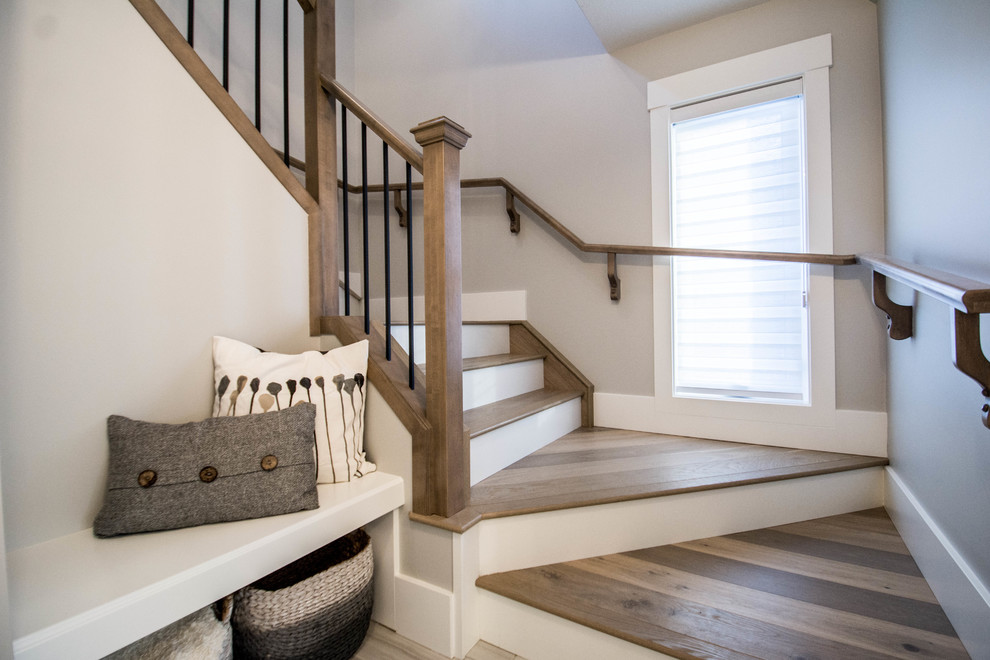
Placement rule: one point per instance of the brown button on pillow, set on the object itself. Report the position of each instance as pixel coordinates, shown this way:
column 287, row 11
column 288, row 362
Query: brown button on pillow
column 166, row 476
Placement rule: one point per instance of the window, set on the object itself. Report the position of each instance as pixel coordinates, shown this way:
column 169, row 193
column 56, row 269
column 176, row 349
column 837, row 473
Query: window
column 738, row 181
column 742, row 161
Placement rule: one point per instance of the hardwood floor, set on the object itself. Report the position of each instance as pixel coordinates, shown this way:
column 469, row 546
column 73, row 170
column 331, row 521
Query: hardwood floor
column 384, row 644
column 842, row 587
column 598, row 465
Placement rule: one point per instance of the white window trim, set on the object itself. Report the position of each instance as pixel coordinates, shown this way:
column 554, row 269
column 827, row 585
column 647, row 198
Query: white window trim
column 808, row 60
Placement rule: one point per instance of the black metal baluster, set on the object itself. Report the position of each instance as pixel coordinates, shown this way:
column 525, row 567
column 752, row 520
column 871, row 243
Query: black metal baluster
column 190, row 21
column 364, row 211
column 346, row 214
column 226, row 43
column 257, row 64
column 285, row 77
column 388, row 257
column 409, row 274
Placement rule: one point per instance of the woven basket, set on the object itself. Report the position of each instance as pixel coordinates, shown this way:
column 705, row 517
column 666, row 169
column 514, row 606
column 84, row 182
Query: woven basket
column 202, row 635
column 317, row 607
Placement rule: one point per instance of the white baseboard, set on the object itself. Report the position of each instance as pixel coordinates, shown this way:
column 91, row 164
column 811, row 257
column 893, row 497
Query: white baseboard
column 849, row 431
column 965, row 599
column 535, row 635
column 424, row 613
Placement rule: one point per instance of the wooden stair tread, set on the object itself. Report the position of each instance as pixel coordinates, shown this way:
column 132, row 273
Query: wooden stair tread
column 471, row 364
column 496, row 415
column 749, row 595
column 592, row 466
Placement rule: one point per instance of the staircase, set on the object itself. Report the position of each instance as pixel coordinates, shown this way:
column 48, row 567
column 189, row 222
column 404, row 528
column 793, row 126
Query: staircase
column 553, row 497
column 551, row 494
column 511, row 408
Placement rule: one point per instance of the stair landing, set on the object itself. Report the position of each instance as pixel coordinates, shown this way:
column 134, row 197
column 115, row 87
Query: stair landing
column 838, row 587
column 592, row 466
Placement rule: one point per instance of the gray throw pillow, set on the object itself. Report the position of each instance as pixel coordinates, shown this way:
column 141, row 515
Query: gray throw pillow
column 167, row 476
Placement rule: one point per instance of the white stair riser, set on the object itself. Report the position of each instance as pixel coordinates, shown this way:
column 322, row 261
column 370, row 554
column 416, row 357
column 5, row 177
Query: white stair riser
column 484, row 386
column 477, row 340
column 504, row 446
column 550, row 537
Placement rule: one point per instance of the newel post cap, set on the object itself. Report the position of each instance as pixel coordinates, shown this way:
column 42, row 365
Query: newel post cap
column 441, row 129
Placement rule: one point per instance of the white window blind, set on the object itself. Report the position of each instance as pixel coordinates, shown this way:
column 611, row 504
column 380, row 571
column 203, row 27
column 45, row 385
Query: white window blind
column 738, row 182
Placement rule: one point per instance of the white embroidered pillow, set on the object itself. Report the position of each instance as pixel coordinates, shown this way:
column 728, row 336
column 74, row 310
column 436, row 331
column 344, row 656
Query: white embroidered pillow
column 248, row 380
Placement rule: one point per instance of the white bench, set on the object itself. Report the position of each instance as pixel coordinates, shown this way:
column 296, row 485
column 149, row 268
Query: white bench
column 82, row 597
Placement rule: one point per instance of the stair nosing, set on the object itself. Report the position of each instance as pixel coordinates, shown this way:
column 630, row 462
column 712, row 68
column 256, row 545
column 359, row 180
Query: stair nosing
column 546, row 399
column 501, row 359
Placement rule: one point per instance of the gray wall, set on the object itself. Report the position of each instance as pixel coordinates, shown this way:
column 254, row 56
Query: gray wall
column 567, row 123
column 936, row 92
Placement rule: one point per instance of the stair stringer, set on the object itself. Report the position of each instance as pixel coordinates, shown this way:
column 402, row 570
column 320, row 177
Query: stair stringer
column 509, row 543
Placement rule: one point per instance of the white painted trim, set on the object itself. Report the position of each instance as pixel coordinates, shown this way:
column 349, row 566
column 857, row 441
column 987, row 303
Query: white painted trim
column 963, row 596
column 500, row 448
column 477, row 340
column 424, row 613
column 479, row 306
column 860, row 432
column 554, row 536
column 746, row 71
column 467, row 630
column 808, row 60
column 482, row 340
column 535, row 635
column 491, row 384
column 384, row 533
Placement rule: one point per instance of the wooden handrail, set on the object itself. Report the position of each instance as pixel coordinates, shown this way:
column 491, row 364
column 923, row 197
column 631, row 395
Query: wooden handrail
column 512, row 193
column 967, row 298
column 655, row 250
column 392, row 137
column 962, row 293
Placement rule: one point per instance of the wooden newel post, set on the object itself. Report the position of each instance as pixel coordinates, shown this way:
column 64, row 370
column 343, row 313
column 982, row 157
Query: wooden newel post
column 448, row 458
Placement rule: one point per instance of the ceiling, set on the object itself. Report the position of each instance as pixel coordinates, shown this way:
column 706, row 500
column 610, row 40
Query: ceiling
column 621, row 23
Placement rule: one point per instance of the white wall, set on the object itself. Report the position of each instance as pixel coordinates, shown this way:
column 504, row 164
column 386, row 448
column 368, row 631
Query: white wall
column 567, row 123
column 534, row 86
column 936, row 87
column 208, row 40
column 136, row 225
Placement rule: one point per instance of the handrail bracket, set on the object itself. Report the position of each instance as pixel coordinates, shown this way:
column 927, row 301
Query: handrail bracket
column 968, row 356
column 399, row 209
column 900, row 318
column 614, row 283
column 510, row 209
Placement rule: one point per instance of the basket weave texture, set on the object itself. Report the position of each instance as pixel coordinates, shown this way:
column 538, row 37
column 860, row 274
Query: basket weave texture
column 318, row 607
column 202, row 635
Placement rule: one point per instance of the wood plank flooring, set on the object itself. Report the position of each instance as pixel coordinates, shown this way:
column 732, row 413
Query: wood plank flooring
column 598, row 465
column 385, row 644
column 842, row 587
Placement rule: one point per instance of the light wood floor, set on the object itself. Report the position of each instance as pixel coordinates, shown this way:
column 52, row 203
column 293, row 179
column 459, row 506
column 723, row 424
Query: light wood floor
column 599, row 465
column 843, row 587
column 384, row 644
